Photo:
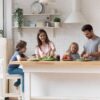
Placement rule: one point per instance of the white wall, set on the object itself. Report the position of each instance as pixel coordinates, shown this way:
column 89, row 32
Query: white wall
column 1, row 14
column 63, row 37
column 68, row 32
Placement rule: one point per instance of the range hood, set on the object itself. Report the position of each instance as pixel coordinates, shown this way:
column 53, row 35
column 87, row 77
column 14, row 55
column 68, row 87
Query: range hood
column 76, row 16
column 43, row 1
column 47, row 1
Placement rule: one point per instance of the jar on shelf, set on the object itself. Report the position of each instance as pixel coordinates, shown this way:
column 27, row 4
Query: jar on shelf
column 48, row 22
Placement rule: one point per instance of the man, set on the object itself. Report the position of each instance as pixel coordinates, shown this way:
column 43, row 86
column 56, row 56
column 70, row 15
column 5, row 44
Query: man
column 92, row 46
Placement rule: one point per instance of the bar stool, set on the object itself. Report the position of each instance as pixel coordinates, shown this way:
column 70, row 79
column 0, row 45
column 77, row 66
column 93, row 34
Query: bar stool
column 4, row 76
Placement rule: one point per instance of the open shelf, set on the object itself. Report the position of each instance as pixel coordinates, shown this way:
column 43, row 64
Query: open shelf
column 27, row 27
column 43, row 14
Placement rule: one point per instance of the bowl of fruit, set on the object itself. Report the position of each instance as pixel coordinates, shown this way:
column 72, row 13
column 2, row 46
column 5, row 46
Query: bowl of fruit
column 67, row 58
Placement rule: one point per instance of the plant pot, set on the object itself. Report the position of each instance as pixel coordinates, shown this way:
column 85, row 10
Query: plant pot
column 56, row 24
column 15, row 23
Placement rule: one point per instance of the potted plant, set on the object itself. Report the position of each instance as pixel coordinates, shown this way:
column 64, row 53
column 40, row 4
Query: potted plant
column 18, row 18
column 57, row 21
column 1, row 33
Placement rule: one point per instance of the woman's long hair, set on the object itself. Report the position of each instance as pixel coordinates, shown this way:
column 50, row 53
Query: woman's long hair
column 39, row 41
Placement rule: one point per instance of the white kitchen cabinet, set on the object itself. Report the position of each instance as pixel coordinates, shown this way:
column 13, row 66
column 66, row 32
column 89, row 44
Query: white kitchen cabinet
column 61, row 80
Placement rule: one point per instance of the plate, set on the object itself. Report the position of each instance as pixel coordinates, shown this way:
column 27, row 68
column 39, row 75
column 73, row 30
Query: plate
column 33, row 59
column 37, row 7
column 48, row 59
column 67, row 60
column 82, row 59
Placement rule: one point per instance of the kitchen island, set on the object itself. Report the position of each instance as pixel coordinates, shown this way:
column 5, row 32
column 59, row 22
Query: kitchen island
column 55, row 68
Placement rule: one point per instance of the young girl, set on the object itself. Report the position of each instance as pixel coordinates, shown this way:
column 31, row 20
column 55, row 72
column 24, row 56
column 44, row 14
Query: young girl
column 18, row 56
column 45, row 47
column 73, row 51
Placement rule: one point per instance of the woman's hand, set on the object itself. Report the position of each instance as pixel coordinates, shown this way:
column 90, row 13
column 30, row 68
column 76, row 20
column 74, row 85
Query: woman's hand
column 52, row 53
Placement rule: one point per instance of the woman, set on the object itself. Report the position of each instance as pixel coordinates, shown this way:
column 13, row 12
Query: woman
column 45, row 47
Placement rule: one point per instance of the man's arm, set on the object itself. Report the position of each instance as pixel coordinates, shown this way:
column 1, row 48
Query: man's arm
column 96, row 54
